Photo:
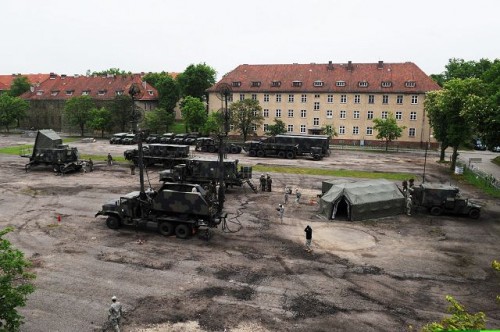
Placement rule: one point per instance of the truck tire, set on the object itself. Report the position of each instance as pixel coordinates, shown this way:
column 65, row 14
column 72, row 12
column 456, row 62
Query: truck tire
column 166, row 228
column 316, row 157
column 436, row 210
column 261, row 153
column 474, row 213
column 234, row 149
column 113, row 222
column 252, row 153
column 204, row 148
column 211, row 148
column 281, row 154
column 182, row 231
column 290, row 155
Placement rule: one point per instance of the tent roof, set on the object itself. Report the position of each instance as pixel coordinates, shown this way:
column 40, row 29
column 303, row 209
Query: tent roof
column 364, row 191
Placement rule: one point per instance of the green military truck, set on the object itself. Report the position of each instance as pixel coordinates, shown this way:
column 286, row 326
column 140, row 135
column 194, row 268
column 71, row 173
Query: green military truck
column 166, row 155
column 315, row 146
column 264, row 149
column 443, row 199
column 208, row 144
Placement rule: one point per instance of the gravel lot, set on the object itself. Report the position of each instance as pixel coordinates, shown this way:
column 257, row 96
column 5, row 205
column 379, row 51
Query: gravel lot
column 377, row 275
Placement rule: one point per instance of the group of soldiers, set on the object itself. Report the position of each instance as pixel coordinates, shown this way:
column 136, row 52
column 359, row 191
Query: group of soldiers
column 266, row 182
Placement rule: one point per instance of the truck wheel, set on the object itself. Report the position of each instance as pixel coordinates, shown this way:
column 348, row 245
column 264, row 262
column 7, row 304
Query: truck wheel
column 182, row 231
column 204, row 148
column 290, row 155
column 281, row 154
column 316, row 157
column 113, row 222
column 436, row 210
column 261, row 153
column 166, row 228
column 252, row 153
column 474, row 213
column 211, row 148
column 234, row 149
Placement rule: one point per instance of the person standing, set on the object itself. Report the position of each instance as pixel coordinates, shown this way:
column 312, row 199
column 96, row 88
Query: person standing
column 132, row 168
column 269, row 182
column 409, row 204
column 309, row 233
column 281, row 212
column 110, row 159
column 91, row 165
column 115, row 314
column 263, row 182
column 286, row 195
column 297, row 195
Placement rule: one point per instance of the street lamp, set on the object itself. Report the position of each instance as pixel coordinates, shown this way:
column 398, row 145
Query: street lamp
column 425, row 157
column 224, row 91
column 134, row 91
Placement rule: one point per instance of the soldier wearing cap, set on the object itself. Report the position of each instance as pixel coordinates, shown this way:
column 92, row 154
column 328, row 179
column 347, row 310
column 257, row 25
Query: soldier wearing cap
column 115, row 314
column 281, row 211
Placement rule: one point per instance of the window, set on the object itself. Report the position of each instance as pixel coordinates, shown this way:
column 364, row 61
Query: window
column 357, row 99
column 411, row 132
column 266, row 113
column 120, row 92
column 355, row 115
column 399, row 115
column 296, row 84
column 386, row 84
column 316, row 121
column 302, row 129
column 318, row 83
column 369, row 115
column 399, row 99
column 289, row 128
column 385, row 99
column 256, row 84
column 291, row 98
column 303, row 98
column 266, row 98
column 276, row 84
column 278, row 98
column 384, row 114
column 414, row 99
column 343, row 99
column 101, row 92
column 410, row 84
column 342, row 130
column 290, row 113
column 355, row 130
column 329, row 114
column 343, row 114
column 317, row 96
column 303, row 113
column 316, row 105
column 371, row 99
column 254, row 96
column 340, row 83
column 69, row 92
column 54, row 93
column 85, row 92
column 230, row 97
column 363, row 84
column 369, row 131
column 150, row 92
column 236, row 84
column 254, row 113
column 329, row 99
column 242, row 96
column 413, row 116
column 266, row 127
column 254, row 127
column 278, row 113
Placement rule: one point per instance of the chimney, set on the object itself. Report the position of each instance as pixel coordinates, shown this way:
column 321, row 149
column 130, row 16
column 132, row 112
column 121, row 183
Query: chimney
column 144, row 84
column 52, row 76
column 63, row 76
column 330, row 65
column 32, row 88
column 349, row 65
column 380, row 65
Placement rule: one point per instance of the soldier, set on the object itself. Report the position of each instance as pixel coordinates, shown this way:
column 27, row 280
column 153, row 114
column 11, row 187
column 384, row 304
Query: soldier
column 91, row 165
column 405, row 187
column 110, row 159
column 297, row 195
column 409, row 204
column 309, row 233
column 281, row 212
column 115, row 314
column 132, row 168
column 286, row 195
column 269, row 182
column 263, row 182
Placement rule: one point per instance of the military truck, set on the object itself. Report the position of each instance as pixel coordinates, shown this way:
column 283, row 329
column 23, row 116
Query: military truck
column 176, row 208
column 49, row 151
column 166, row 155
column 264, row 149
column 208, row 144
column 205, row 171
column 439, row 199
column 315, row 146
column 117, row 138
column 129, row 139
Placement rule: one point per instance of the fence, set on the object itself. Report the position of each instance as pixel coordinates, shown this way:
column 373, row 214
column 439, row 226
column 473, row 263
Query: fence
column 485, row 178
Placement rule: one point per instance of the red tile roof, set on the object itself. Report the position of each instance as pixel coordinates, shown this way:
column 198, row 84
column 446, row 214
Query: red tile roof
column 347, row 77
column 6, row 80
column 64, row 87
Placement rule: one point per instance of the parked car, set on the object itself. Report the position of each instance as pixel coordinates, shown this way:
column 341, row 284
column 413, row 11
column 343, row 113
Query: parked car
column 496, row 148
column 478, row 144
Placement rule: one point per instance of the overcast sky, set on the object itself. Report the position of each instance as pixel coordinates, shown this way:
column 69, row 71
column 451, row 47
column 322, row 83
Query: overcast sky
column 73, row 36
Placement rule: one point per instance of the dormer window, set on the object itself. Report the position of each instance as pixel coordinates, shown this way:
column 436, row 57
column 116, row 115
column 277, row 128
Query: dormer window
column 119, row 92
column 276, row 84
column 363, row 84
column 54, row 92
column 410, row 84
column 296, row 84
column 340, row 83
column 39, row 92
column 386, row 84
column 69, row 92
column 101, row 92
column 318, row 83
column 236, row 84
column 150, row 92
column 255, row 84
column 85, row 92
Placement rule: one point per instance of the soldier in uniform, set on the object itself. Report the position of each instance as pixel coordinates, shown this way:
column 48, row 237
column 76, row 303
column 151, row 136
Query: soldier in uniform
column 269, row 182
column 309, row 233
column 91, row 165
column 287, row 193
column 263, row 182
column 115, row 314
column 281, row 212
column 409, row 204
column 110, row 159
column 297, row 195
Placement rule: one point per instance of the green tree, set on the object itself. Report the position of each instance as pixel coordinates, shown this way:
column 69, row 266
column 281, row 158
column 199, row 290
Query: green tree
column 19, row 85
column 15, row 284
column 77, row 111
column 214, row 124
column 245, row 114
column 168, row 89
column 11, row 109
column 110, row 71
column 329, row 130
column 455, row 112
column 158, row 120
column 100, row 119
column 121, row 110
column 388, row 129
column 277, row 128
column 196, row 79
column 193, row 113
column 460, row 319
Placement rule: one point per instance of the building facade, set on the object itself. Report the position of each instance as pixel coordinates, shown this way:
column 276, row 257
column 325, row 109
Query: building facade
column 308, row 98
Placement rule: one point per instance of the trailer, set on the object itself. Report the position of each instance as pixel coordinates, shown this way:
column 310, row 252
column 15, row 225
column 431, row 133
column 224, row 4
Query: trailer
column 315, row 146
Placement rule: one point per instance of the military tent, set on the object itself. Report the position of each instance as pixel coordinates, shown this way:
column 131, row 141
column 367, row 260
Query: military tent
column 361, row 200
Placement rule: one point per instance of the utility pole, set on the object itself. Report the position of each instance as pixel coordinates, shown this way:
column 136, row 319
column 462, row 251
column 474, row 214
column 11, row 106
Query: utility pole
column 224, row 91
column 133, row 92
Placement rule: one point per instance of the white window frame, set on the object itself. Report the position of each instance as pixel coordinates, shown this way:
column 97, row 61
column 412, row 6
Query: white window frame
column 316, row 122
column 399, row 99
column 291, row 98
column 399, row 115
column 329, row 114
column 343, row 114
column 413, row 116
column 369, row 115
column 329, row 99
column 303, row 113
column 316, row 105
column 303, row 98
column 414, row 99
column 266, row 97
column 412, row 132
column 289, row 128
column 290, row 113
column 341, row 130
column 303, row 129
column 357, row 99
column 278, row 98
column 355, row 114
column 369, row 131
column 385, row 115
column 385, row 99
column 355, row 130
column 278, row 113
column 265, row 112
column 343, row 99
column 371, row 99
column 242, row 96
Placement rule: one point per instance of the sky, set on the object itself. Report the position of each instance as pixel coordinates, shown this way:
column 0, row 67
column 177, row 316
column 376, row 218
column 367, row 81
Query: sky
column 71, row 37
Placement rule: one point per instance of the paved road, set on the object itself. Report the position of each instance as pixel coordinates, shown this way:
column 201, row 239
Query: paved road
column 485, row 165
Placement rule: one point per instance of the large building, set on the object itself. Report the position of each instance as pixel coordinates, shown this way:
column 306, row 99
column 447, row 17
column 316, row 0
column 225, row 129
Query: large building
column 310, row 97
